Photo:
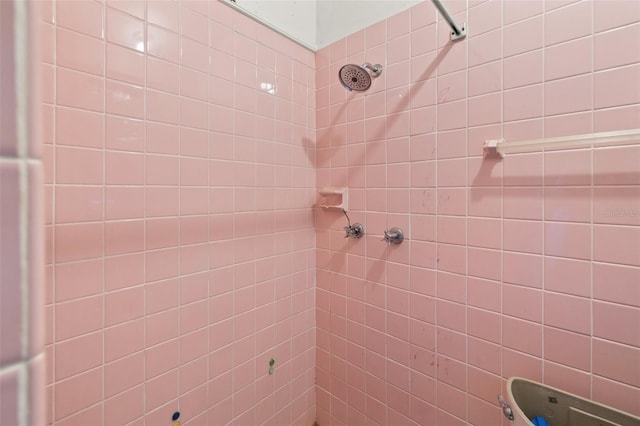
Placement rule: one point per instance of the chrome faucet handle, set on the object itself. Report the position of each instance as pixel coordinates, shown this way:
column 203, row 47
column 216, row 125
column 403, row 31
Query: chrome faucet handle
column 393, row 236
column 354, row 231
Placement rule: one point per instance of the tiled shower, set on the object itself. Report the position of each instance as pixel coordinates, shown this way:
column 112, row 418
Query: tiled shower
column 188, row 267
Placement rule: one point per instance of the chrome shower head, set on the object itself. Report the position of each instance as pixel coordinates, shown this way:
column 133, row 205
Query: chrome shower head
column 358, row 78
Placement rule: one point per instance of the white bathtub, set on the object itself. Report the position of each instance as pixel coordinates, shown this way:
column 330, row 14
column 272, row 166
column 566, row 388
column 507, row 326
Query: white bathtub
column 530, row 399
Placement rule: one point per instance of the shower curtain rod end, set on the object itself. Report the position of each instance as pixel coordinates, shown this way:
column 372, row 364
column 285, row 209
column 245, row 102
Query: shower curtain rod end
column 460, row 33
column 490, row 148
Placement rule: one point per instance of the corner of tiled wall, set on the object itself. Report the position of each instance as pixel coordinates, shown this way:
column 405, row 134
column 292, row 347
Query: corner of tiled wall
column 179, row 155
column 524, row 266
column 22, row 361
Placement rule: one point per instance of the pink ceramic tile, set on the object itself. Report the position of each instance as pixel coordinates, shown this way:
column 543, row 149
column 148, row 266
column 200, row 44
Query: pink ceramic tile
column 124, row 134
column 398, row 50
column 193, row 114
column 12, row 294
column 162, row 170
column 516, row 363
column 79, row 52
column 72, row 282
column 623, row 291
column 163, row 44
column 450, row 316
column 522, row 203
column 616, row 244
column 606, row 57
column 162, row 139
column 122, row 271
column 78, row 166
column 609, row 90
column 488, row 15
column 567, row 204
column 616, row 323
column 162, row 75
column 485, row 78
column 516, row 11
column 522, row 236
column 567, row 348
column 194, row 84
column 484, row 263
column 123, row 305
column 78, row 355
column 79, row 90
column 567, row 276
column 522, row 335
column 125, row 65
column 559, row 170
column 122, row 168
column 422, row 15
column 558, row 29
column 567, row 312
column 483, row 294
column 452, row 115
column 376, row 34
column 124, row 339
column 557, row 62
column 84, row 17
column 484, row 355
column 522, row 302
column 616, row 394
column 195, row 55
column 125, row 407
column 484, row 324
column 70, row 246
column 514, row 44
column 452, row 173
column 124, row 203
column 79, row 392
column 485, row 48
column 523, row 103
column 78, row 204
column 616, row 205
column 124, row 374
column 67, row 326
column 605, row 352
column 568, row 379
column 485, row 110
column 124, row 99
column 398, row 24
column 607, row 18
column 165, row 14
column 484, row 202
column 124, row 30
column 194, row 25
column 555, row 102
column 452, row 87
column 568, row 240
column 161, row 264
column 124, row 237
column 616, row 166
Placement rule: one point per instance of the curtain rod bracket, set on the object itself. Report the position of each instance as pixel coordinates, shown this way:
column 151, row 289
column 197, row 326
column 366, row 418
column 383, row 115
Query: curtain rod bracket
column 462, row 32
column 457, row 32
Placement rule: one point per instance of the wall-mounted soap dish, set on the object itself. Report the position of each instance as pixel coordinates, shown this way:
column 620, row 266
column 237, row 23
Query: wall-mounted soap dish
column 334, row 198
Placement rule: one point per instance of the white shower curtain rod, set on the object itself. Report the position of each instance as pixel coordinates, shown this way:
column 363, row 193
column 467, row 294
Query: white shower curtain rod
column 457, row 32
column 502, row 147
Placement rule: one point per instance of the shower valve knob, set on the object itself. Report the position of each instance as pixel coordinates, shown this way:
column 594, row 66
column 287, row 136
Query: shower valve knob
column 354, row 231
column 393, row 235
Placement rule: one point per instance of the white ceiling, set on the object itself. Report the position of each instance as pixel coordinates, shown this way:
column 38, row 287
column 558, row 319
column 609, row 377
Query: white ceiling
column 318, row 23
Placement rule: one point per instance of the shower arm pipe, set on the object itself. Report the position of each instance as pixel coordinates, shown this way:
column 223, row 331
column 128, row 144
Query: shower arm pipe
column 457, row 32
column 502, row 147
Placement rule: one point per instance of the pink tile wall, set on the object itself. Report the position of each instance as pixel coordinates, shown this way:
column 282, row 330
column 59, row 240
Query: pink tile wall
column 179, row 176
column 526, row 266
column 22, row 360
